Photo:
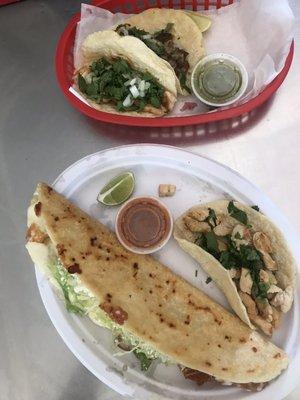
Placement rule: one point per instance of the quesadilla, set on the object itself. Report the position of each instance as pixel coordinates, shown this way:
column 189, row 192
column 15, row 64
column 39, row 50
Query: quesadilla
column 246, row 255
column 116, row 288
column 122, row 75
column 172, row 35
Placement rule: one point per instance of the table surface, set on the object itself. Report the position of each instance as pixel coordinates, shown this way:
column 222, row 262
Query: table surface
column 41, row 134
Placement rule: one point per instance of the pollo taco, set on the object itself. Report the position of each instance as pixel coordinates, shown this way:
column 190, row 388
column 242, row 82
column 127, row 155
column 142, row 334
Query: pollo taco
column 99, row 278
column 246, row 255
column 172, row 35
column 122, row 75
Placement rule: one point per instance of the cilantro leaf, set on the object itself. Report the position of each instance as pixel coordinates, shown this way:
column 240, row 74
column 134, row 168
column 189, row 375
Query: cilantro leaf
column 208, row 280
column 81, row 83
column 144, row 360
column 237, row 214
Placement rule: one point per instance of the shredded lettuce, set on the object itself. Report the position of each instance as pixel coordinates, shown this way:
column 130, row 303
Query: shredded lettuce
column 81, row 301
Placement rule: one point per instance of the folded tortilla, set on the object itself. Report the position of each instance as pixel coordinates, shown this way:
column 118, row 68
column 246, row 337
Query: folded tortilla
column 285, row 272
column 182, row 324
column 187, row 35
column 110, row 46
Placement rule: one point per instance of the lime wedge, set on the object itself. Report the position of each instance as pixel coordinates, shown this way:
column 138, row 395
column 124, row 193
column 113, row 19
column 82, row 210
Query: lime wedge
column 117, row 190
column 201, row 21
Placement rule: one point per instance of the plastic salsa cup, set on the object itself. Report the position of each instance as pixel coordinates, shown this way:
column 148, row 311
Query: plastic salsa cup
column 219, row 79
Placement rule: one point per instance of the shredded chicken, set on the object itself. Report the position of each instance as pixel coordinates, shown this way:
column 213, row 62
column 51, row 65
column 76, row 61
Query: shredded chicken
column 283, row 299
column 224, row 226
column 166, row 190
column 246, row 281
column 241, row 235
column 265, row 310
column 196, row 226
column 262, row 243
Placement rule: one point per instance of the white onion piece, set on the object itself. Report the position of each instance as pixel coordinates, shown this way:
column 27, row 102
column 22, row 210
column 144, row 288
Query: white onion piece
column 142, row 94
column 128, row 101
column 127, row 83
column 132, row 82
column 142, row 86
column 147, row 85
column 146, row 36
column 134, row 91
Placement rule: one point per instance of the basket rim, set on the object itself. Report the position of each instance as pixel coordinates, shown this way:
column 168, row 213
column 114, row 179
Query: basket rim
column 161, row 122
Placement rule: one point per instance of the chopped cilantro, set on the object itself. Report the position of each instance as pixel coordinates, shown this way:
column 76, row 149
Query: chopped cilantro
column 208, row 280
column 144, row 360
column 236, row 213
column 256, row 208
column 107, row 83
column 212, row 218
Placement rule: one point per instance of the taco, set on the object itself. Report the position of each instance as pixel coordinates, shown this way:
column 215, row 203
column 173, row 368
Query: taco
column 172, row 35
column 122, row 75
column 246, row 255
column 99, row 278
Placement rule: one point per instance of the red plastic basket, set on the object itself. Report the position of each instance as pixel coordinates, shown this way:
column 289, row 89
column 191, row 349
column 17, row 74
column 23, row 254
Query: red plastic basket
column 65, row 68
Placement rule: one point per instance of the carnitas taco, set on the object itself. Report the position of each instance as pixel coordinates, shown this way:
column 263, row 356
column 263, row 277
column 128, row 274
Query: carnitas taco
column 246, row 255
column 116, row 288
column 172, row 35
column 122, row 75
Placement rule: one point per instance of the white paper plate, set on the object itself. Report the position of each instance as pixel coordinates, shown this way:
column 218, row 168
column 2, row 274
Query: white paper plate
column 198, row 179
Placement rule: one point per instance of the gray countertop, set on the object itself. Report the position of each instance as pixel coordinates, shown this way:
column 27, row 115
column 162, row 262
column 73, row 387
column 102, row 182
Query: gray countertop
column 41, row 134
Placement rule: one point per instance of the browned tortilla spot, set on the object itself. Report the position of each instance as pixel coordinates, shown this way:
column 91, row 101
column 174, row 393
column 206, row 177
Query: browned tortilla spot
column 116, row 313
column 93, row 240
column 74, row 269
column 254, row 349
column 250, row 371
column 208, row 363
column 243, row 340
column 38, row 208
column 277, row 355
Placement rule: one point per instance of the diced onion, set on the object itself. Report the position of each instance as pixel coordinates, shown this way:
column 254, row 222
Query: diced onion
column 128, row 101
column 142, row 86
column 142, row 94
column 147, row 36
column 134, row 91
column 132, row 82
column 127, row 83
column 147, row 85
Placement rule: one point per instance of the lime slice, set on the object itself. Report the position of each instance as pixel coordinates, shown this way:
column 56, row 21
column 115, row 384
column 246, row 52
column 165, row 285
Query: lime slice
column 117, row 190
column 201, row 21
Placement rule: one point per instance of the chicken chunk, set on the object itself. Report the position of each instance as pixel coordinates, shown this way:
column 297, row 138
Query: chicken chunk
column 241, row 235
column 166, row 190
column 265, row 310
column 200, row 214
column 249, row 303
column 284, row 299
column 269, row 262
column 224, row 226
column 262, row 243
column 246, row 281
column 221, row 245
column 196, row 226
column 34, row 234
